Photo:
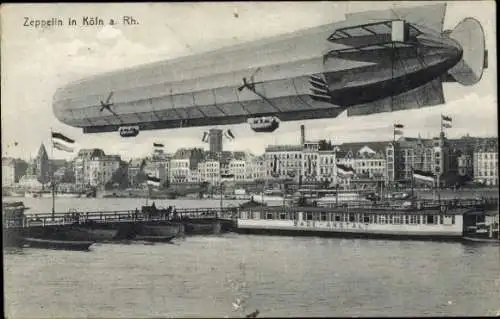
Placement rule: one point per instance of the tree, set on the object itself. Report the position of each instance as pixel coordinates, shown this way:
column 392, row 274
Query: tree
column 325, row 145
column 119, row 178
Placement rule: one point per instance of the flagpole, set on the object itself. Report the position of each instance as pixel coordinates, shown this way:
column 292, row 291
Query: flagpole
column 51, row 162
column 442, row 129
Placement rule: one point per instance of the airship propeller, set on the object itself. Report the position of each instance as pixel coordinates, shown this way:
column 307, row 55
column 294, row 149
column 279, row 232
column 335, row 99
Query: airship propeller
column 249, row 85
column 107, row 105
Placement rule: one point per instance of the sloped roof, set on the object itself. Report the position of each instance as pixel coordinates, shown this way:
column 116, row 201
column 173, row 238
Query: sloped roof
column 8, row 161
column 90, row 152
column 42, row 152
column 356, row 147
column 284, row 148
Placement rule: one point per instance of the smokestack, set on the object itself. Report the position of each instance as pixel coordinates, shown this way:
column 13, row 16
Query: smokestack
column 302, row 135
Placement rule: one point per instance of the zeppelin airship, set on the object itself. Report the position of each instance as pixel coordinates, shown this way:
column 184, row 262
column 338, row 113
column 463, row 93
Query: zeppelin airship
column 376, row 61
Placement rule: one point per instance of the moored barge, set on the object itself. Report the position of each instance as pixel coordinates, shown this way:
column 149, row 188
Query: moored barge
column 429, row 221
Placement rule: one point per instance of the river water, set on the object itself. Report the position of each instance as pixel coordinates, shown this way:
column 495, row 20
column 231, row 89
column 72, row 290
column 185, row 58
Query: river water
column 232, row 275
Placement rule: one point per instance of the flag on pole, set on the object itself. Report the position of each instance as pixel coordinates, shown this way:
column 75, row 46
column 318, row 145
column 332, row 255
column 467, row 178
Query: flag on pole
column 424, row 176
column 446, row 121
column 344, row 171
column 160, row 145
column 143, row 164
column 399, row 126
column 154, row 181
column 62, row 142
column 229, row 135
column 204, row 139
column 398, row 132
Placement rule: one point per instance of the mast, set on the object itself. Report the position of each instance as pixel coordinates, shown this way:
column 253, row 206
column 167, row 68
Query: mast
column 53, row 184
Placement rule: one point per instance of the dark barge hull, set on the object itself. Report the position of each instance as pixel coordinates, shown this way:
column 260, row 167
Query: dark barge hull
column 155, row 239
column 350, row 235
column 57, row 244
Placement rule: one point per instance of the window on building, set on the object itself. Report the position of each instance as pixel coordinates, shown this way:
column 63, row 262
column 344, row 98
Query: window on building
column 381, row 219
column 351, row 218
column 366, row 219
column 323, row 216
column 397, row 219
column 414, row 219
column 429, row 219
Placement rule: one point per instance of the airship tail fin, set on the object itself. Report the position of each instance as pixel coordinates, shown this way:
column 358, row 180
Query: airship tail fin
column 470, row 35
column 429, row 94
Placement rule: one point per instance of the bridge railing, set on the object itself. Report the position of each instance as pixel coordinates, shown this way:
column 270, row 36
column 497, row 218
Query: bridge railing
column 68, row 218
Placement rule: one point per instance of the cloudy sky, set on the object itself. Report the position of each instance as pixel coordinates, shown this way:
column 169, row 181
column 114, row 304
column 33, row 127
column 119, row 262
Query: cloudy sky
column 36, row 61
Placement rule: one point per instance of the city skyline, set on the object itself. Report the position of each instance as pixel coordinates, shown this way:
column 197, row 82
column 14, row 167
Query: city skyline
column 52, row 57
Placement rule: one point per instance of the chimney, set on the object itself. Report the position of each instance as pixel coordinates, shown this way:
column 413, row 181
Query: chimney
column 302, row 135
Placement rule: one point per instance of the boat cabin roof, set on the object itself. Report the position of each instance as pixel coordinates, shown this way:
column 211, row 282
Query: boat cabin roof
column 357, row 210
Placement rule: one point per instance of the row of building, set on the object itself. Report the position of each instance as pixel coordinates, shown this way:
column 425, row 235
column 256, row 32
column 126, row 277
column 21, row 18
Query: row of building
column 307, row 162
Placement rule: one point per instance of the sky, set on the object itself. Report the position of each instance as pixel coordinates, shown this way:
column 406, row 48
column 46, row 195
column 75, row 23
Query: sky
column 36, row 61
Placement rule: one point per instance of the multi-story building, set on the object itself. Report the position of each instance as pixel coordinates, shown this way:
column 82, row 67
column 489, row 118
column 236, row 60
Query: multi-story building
column 369, row 161
column 101, row 169
column 430, row 155
column 158, row 165
column 310, row 167
column 179, row 170
column 465, row 165
column 94, row 168
column 238, row 169
column 183, row 162
column 283, row 161
column 209, row 171
column 486, row 165
column 8, row 171
column 135, row 166
column 327, row 165
column 258, row 168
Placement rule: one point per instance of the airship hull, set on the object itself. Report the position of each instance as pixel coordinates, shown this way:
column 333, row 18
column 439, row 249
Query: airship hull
column 297, row 76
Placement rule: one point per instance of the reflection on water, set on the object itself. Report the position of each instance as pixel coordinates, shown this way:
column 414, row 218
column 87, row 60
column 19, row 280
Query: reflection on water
column 233, row 275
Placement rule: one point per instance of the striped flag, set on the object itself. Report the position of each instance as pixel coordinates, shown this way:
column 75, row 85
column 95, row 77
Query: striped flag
column 398, row 132
column 399, row 126
column 344, row 171
column 446, row 121
column 424, row 176
column 159, row 145
column 229, row 135
column 204, row 139
column 154, row 181
column 62, row 142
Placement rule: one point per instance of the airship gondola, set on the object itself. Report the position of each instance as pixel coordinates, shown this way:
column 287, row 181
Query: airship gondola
column 129, row 131
column 266, row 124
column 372, row 62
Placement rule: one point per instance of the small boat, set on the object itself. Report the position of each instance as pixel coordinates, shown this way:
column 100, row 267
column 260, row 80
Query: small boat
column 156, row 239
column 56, row 244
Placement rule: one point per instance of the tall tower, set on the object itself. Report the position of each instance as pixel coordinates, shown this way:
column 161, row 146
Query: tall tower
column 215, row 140
column 41, row 165
column 302, row 135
